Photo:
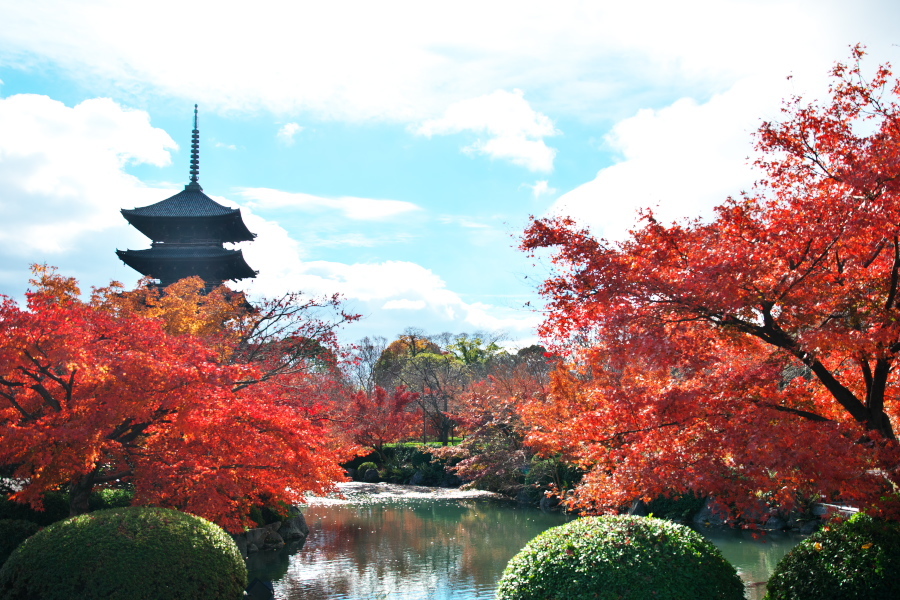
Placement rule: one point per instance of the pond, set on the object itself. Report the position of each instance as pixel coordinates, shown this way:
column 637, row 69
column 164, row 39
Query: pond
column 400, row 543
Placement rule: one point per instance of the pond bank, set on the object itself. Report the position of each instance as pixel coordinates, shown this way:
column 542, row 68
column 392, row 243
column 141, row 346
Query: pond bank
column 356, row 492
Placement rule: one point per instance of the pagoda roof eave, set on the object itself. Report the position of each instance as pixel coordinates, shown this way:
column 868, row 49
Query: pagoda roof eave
column 209, row 264
column 227, row 227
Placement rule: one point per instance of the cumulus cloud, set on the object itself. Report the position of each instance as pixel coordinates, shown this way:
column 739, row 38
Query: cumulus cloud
column 62, row 169
column 287, row 132
column 404, row 304
column 507, row 126
column 400, row 293
column 361, row 209
column 406, row 61
column 541, row 188
column 680, row 161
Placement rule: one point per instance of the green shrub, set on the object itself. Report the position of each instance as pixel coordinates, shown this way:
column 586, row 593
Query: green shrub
column 111, row 498
column 56, row 505
column 364, row 468
column 126, row 554
column 676, row 507
column 855, row 560
column 607, row 558
column 12, row 533
column 266, row 515
column 56, row 508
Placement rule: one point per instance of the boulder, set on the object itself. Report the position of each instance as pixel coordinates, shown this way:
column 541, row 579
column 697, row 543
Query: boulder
column 550, row 504
column 294, row 527
column 711, row 514
column 372, row 476
column 638, row 508
column 418, row 478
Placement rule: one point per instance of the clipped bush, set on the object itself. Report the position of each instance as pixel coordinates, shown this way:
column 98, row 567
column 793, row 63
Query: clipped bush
column 608, row 558
column 366, row 466
column 855, row 560
column 12, row 533
column 126, row 554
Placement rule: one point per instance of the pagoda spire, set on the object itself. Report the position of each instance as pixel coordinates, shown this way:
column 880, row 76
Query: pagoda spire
column 195, row 156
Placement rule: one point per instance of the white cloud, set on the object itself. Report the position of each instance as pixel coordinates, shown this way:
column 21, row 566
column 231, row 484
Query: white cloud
column 541, row 188
column 362, row 209
column 680, row 161
column 407, row 61
column 463, row 221
column 404, row 304
column 372, row 288
column 508, row 127
column 287, row 132
column 61, row 170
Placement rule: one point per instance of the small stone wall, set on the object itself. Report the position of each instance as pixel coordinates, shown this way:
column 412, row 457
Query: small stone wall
column 274, row 535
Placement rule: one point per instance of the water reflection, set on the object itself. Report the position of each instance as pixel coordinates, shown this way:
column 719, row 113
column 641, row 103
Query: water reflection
column 754, row 554
column 417, row 549
column 405, row 550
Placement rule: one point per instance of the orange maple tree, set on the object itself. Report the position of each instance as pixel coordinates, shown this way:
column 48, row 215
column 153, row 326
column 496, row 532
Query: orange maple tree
column 93, row 394
column 751, row 356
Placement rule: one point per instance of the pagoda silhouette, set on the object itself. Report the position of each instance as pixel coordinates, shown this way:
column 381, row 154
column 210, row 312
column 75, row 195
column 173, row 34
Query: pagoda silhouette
column 187, row 232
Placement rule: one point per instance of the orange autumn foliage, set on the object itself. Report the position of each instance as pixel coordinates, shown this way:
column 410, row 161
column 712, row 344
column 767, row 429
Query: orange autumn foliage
column 751, row 356
column 91, row 396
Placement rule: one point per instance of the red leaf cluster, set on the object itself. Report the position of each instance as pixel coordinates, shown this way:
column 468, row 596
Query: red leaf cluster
column 752, row 356
column 91, row 396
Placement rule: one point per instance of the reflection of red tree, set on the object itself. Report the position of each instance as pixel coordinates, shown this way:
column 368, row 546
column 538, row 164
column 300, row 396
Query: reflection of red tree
column 371, row 551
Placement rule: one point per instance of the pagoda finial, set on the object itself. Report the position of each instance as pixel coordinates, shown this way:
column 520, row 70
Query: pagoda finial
column 195, row 156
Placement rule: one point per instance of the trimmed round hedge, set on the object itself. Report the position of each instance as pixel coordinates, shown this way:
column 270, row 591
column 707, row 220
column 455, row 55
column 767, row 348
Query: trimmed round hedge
column 12, row 533
column 855, row 560
column 126, row 554
column 612, row 558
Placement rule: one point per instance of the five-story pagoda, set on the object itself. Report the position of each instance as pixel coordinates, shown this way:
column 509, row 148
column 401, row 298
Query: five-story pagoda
column 188, row 231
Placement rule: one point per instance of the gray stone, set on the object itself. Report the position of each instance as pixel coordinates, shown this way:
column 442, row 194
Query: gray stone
column 418, row 478
column 371, row 476
column 294, row 527
column 550, row 503
column 256, row 537
column 273, row 541
column 810, row 527
column 775, row 523
column 711, row 514
column 523, row 497
column 638, row 508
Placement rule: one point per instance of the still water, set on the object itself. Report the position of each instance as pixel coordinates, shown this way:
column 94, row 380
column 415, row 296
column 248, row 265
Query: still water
column 395, row 548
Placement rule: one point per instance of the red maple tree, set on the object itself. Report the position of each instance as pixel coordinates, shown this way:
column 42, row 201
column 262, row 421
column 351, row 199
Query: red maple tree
column 91, row 396
column 380, row 418
column 751, row 356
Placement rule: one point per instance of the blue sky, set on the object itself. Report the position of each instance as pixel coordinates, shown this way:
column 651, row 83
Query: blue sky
column 393, row 151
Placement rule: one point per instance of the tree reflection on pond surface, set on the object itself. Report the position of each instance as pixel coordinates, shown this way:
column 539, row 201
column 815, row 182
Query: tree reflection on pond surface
column 387, row 545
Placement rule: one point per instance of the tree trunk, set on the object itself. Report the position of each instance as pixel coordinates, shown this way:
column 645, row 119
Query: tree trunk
column 80, row 495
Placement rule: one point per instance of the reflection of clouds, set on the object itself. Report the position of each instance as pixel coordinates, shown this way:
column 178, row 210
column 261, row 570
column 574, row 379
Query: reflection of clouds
column 406, row 550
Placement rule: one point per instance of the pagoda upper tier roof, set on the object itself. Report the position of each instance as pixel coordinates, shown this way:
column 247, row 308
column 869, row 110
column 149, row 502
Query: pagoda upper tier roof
column 189, row 215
